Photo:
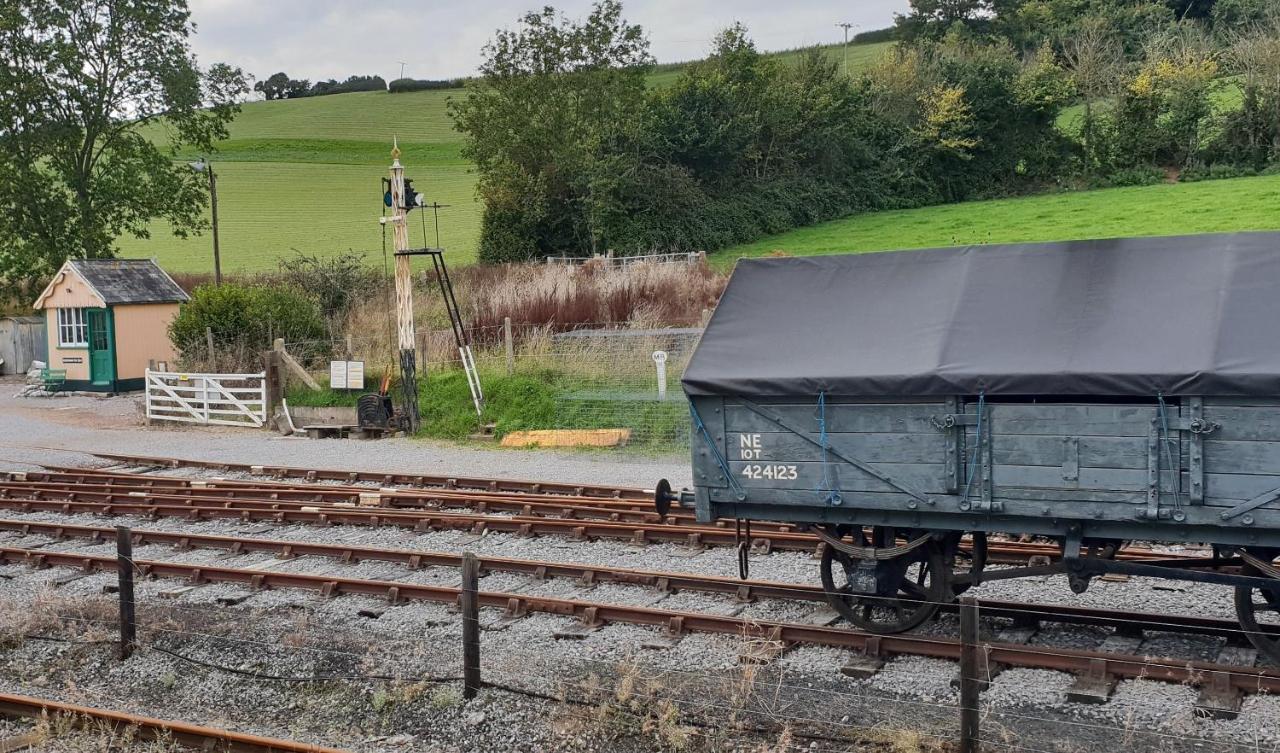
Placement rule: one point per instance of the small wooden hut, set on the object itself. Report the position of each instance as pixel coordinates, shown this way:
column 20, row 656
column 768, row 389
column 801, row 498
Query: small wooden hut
column 108, row 319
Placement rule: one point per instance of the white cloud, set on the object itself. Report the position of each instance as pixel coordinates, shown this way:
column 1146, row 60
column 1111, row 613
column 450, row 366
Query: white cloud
column 320, row 39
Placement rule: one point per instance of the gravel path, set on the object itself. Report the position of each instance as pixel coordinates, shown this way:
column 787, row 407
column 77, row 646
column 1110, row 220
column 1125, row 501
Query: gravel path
column 61, row 430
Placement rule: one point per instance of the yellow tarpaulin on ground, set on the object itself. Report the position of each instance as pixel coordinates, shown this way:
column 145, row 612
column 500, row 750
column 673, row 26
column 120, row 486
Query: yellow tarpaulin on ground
column 567, row 438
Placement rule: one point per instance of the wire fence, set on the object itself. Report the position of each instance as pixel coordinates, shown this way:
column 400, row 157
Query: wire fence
column 313, row 643
column 595, row 376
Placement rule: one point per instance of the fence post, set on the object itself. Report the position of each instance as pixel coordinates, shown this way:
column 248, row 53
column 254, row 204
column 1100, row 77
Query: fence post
column 470, row 626
column 970, row 739
column 208, row 338
column 506, row 339
column 273, row 389
column 124, row 568
column 660, row 361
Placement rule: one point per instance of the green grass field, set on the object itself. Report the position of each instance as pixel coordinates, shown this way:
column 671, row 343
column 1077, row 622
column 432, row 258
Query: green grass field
column 1174, row 209
column 305, row 174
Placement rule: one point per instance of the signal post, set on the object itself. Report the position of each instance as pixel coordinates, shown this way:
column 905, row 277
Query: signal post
column 405, row 336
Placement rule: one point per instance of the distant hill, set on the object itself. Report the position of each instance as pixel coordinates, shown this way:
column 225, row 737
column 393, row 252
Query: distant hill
column 304, row 174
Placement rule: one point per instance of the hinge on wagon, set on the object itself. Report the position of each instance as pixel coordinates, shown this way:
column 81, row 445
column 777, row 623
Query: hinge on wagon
column 952, row 420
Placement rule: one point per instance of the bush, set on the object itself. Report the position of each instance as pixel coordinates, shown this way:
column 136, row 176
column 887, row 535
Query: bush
column 1217, row 171
column 244, row 319
column 402, row 85
column 335, row 282
column 1130, row 176
column 876, row 35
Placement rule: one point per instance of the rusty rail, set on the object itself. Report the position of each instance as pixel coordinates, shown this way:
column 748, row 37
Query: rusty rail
column 192, row 735
column 409, row 479
column 743, row 590
column 1247, row 679
column 131, row 492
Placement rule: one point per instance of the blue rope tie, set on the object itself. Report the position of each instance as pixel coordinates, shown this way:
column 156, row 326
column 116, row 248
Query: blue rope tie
column 831, row 494
column 715, row 452
column 1165, row 442
column 977, row 447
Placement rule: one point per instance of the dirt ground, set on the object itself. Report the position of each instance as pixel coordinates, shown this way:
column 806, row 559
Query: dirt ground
column 61, row 430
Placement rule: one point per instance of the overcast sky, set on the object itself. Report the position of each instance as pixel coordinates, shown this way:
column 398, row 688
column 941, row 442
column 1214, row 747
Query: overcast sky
column 320, row 39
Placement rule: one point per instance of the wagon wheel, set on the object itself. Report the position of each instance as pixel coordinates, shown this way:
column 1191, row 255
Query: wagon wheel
column 899, row 600
column 1258, row 610
column 969, row 562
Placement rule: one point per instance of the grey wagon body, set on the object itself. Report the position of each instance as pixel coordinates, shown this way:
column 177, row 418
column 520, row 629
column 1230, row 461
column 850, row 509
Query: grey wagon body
column 1125, row 389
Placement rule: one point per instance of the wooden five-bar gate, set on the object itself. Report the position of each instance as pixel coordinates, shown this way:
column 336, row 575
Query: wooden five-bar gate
column 223, row 399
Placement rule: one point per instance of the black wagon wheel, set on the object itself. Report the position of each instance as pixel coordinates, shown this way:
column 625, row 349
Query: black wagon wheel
column 903, row 594
column 1258, row 610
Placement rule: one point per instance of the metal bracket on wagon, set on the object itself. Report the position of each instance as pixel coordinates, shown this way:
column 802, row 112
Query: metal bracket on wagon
column 869, row 552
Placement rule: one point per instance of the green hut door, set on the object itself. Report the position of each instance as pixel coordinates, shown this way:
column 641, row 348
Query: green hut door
column 102, row 351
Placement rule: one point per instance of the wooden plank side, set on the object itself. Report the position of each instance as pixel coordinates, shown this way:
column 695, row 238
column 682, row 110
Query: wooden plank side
column 928, row 478
column 1046, row 450
column 1070, row 420
column 1090, row 479
column 1235, row 456
column 871, row 447
column 1243, row 423
column 1230, row 489
column 841, row 418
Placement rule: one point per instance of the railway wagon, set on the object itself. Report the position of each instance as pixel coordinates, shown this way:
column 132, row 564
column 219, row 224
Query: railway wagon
column 904, row 406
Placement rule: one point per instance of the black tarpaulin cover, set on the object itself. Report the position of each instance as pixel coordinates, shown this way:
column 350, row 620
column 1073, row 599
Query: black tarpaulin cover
column 1187, row 315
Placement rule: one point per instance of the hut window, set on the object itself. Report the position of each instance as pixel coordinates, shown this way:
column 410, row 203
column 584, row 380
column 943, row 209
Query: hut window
column 72, row 332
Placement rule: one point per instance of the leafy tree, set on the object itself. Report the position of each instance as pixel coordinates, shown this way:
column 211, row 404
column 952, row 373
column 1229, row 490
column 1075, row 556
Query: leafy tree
column 273, row 87
column 77, row 80
column 1094, row 57
column 550, row 126
column 1237, row 15
column 1252, row 134
column 932, row 19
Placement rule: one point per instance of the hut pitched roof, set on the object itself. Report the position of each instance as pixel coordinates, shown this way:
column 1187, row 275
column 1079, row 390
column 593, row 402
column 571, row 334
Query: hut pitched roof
column 123, row 281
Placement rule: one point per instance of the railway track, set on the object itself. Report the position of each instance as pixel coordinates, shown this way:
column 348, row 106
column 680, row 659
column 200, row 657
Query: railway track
column 1223, row 678
column 191, row 735
column 162, row 496
column 389, row 479
column 742, row 590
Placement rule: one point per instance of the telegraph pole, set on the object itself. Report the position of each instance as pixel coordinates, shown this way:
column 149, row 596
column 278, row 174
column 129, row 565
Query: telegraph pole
column 846, row 26
column 204, row 166
column 404, row 296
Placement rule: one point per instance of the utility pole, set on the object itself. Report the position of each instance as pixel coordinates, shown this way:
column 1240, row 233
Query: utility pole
column 846, row 26
column 204, row 166
column 405, row 337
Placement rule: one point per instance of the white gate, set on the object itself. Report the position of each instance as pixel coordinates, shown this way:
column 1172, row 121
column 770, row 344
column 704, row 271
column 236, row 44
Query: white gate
column 224, row 399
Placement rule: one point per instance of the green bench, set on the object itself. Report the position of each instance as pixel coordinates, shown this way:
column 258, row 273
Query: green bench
column 53, row 379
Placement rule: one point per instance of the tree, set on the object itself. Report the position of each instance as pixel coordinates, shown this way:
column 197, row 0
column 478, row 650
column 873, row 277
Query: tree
column 274, row 86
column 79, row 79
column 549, row 127
column 931, row 19
column 1095, row 58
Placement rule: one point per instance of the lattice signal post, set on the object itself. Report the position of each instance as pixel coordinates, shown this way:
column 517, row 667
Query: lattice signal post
column 405, row 336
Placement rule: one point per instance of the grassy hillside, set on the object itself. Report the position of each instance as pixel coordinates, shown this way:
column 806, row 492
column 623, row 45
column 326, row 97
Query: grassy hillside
column 304, row 174
column 1175, row 209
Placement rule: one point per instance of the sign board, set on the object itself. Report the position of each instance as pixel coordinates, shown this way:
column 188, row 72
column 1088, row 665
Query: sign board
column 346, row 375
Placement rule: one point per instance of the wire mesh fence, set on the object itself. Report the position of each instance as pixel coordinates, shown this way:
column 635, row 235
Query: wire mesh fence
column 592, row 377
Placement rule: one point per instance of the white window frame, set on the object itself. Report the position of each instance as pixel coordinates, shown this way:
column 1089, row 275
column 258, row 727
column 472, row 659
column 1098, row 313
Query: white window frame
column 73, row 328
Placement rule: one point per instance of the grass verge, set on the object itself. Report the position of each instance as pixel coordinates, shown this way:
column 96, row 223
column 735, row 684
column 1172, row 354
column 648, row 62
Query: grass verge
column 1171, row 209
column 539, row 399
